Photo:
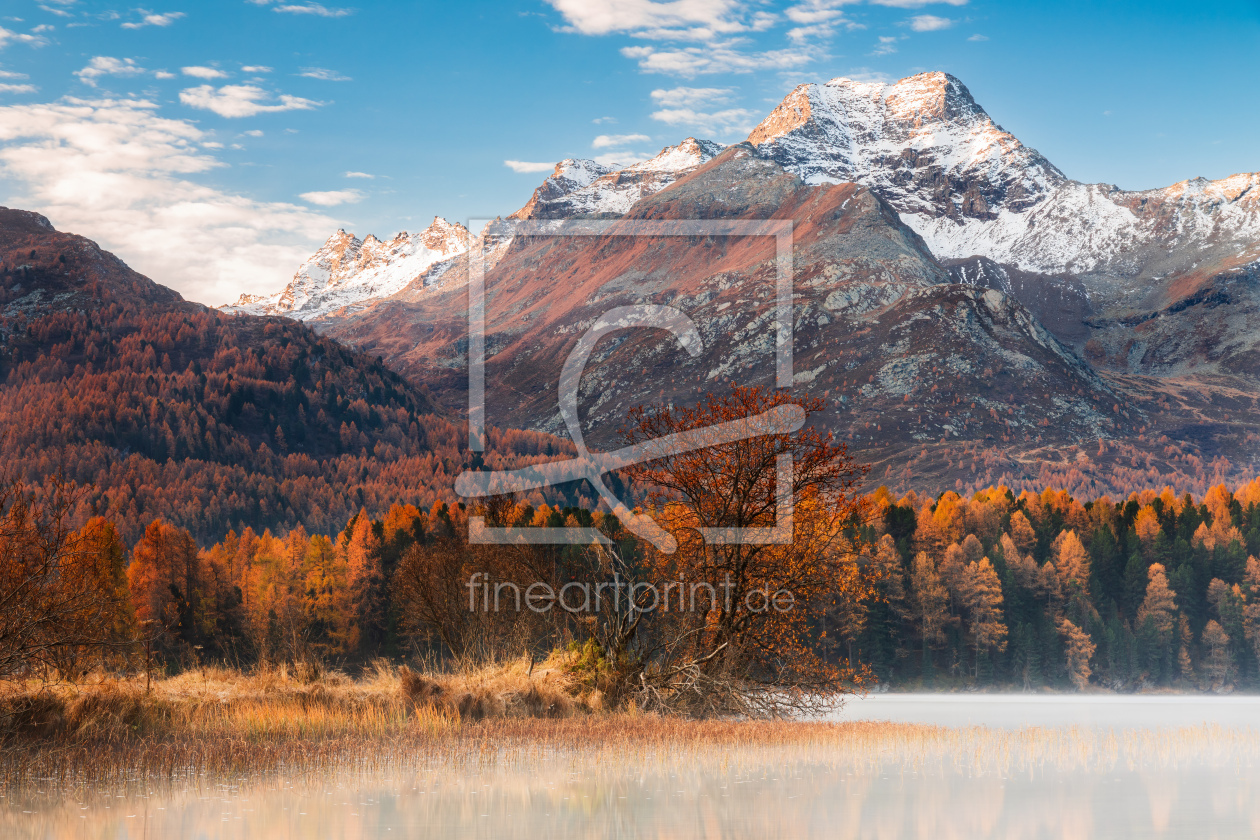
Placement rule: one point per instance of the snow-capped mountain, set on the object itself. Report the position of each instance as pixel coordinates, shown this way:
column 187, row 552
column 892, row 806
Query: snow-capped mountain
column 970, row 188
column 586, row 189
column 347, row 270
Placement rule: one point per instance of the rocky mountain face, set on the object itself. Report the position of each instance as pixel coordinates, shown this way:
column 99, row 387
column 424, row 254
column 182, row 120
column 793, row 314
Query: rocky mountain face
column 43, row 269
column 1116, row 260
column 585, row 189
column 969, row 312
column 347, row 271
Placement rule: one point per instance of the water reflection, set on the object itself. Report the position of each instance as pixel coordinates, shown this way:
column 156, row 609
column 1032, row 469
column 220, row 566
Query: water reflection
column 912, row 782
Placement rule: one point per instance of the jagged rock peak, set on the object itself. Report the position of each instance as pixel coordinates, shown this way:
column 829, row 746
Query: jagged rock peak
column 922, row 142
column 347, row 270
column 581, row 188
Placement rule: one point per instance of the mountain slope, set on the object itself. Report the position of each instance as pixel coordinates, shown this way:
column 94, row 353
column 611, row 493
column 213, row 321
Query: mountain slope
column 972, row 190
column 905, row 358
column 170, row 409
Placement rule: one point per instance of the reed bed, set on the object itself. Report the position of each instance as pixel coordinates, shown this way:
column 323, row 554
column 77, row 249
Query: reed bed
column 213, row 723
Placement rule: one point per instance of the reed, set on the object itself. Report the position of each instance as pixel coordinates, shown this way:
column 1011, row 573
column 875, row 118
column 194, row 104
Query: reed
column 213, row 723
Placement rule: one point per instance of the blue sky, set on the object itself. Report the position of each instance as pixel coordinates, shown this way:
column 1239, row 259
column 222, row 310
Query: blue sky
column 213, row 145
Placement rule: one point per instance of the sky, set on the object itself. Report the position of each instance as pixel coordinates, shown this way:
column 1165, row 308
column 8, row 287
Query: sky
column 214, row 145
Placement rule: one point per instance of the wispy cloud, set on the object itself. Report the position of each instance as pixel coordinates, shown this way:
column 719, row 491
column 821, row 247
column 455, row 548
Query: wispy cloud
column 9, row 87
column 359, row 175
column 689, row 62
column 929, row 23
column 7, row 35
column 199, row 72
column 818, row 19
column 315, row 9
column 603, row 120
column 528, row 166
column 255, row 68
column 916, row 4
column 152, row 19
column 740, row 120
column 619, row 159
column 118, row 172
column 332, row 198
column 679, row 108
column 886, row 45
column 681, row 97
column 323, row 74
column 103, row 65
column 978, row 37
column 611, row 141
column 234, row 101
column 698, row 20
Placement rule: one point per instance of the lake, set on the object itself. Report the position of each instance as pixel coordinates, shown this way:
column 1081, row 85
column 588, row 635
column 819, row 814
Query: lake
column 1021, row 766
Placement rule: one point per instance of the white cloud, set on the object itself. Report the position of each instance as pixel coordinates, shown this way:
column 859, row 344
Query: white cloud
column 323, row 74
column 7, row 87
column 241, row 100
column 603, row 120
column 331, row 198
column 103, row 65
column 253, row 132
column 818, row 19
column 7, row 35
column 58, row 12
column 929, row 23
column 978, row 37
column 679, row 107
column 162, row 74
column 151, row 19
column 313, row 9
column 678, row 19
column 114, row 171
column 717, row 58
column 739, row 120
column 359, row 175
column 608, row 141
column 916, row 4
column 9, row 74
column 617, row 160
column 527, row 166
column 866, row 74
column 885, row 45
column 685, row 97
column 203, row 72
column 255, row 68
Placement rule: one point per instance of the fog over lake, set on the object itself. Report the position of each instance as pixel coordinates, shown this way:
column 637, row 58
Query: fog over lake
column 1005, row 767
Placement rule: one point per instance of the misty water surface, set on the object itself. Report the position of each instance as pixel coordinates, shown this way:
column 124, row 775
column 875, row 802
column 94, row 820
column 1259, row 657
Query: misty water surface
column 1188, row 785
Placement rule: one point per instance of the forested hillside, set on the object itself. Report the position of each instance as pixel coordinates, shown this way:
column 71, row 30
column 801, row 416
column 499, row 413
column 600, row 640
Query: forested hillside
column 210, row 421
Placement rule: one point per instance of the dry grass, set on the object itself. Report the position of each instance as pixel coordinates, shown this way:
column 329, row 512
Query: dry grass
column 211, row 723
column 217, row 720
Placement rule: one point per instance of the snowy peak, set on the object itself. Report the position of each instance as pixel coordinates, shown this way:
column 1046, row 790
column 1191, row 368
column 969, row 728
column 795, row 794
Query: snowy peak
column 347, row 270
column 923, row 143
column 684, row 157
column 970, row 188
column 586, row 189
column 570, row 176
